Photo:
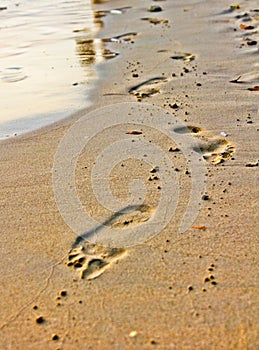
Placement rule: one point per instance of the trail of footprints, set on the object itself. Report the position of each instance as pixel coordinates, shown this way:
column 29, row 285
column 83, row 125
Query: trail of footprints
column 92, row 260
column 245, row 24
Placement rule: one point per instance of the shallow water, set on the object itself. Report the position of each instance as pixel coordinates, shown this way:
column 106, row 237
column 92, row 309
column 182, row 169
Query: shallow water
column 43, row 77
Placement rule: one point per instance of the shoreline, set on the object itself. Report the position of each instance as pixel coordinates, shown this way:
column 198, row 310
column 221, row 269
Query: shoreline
column 56, row 40
column 190, row 290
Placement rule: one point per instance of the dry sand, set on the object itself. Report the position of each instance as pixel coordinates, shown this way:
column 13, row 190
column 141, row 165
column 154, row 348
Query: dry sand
column 195, row 290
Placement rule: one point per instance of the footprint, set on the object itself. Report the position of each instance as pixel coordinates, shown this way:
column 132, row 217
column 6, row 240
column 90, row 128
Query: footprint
column 217, row 151
column 92, row 260
column 127, row 218
column 155, row 20
column 93, row 51
column 245, row 22
column 123, row 38
column 12, row 75
column 147, row 88
column 184, row 56
column 181, row 56
column 214, row 149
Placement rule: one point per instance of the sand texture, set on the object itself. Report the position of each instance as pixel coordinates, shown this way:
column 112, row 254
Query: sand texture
column 192, row 67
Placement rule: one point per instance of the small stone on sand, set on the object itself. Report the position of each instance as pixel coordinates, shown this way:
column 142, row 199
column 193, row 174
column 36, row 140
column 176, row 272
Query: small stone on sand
column 154, row 8
column 133, row 334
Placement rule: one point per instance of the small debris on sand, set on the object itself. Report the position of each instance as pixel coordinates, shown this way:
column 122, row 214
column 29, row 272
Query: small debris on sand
column 155, row 8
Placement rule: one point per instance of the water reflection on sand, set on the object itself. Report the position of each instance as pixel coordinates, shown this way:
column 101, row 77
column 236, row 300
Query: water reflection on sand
column 46, row 61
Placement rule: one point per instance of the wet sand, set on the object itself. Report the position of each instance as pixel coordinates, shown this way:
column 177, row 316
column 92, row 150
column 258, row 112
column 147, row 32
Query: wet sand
column 41, row 56
column 192, row 290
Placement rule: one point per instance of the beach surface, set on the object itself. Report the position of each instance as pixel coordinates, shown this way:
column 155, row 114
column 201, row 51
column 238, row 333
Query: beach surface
column 185, row 79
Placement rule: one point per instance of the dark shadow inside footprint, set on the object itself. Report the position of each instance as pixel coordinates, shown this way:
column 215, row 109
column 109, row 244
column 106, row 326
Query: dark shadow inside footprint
column 147, row 88
column 213, row 146
column 123, row 37
column 187, row 129
column 226, row 12
column 154, row 20
column 79, row 262
column 112, row 220
column 146, row 82
column 216, row 151
column 96, row 264
column 185, row 56
column 94, row 268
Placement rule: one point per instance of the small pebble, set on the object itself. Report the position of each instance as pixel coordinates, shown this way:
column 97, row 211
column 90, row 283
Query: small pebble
column 251, row 42
column 55, row 337
column 40, row 320
column 63, row 293
column 205, row 197
column 251, row 165
column 133, row 334
column 154, row 8
column 176, row 149
column 174, row 106
column 153, row 342
column 154, row 170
